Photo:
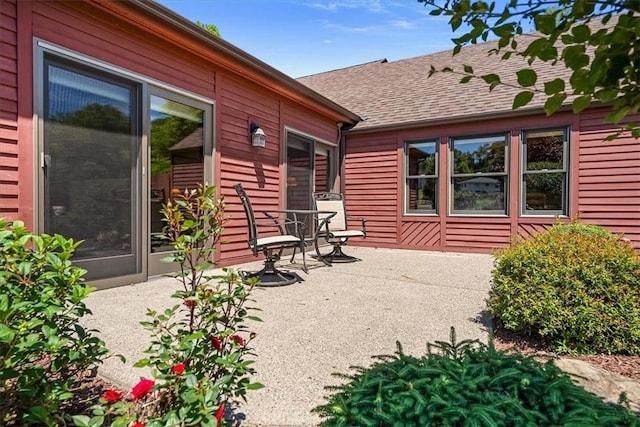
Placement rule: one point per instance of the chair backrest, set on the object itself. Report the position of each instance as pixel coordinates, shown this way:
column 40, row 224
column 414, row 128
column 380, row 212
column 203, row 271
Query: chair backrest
column 248, row 210
column 333, row 202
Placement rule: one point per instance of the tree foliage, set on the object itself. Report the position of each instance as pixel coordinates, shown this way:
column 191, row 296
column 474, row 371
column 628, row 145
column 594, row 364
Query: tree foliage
column 209, row 27
column 597, row 40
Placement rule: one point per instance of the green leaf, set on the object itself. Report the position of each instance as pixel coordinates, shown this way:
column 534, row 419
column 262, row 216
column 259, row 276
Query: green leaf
column 522, row 99
column 527, row 77
column 468, row 69
column 6, row 334
column 580, row 103
column 554, row 86
column 554, row 102
column 617, row 115
column 545, row 23
column 465, row 79
column 81, row 420
column 581, row 33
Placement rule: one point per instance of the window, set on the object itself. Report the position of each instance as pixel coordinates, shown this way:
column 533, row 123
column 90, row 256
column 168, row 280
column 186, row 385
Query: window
column 421, row 182
column 544, row 172
column 479, row 175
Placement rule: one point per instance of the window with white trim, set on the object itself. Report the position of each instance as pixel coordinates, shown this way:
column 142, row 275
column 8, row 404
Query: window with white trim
column 544, row 172
column 421, row 177
column 479, row 175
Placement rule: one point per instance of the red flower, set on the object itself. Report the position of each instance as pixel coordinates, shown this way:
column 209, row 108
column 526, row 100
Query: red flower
column 189, row 303
column 178, row 369
column 138, row 424
column 220, row 413
column 142, row 388
column 112, row 396
column 237, row 339
column 216, row 342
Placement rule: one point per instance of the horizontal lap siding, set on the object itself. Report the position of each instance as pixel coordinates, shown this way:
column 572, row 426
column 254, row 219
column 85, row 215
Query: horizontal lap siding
column 8, row 111
column 477, row 234
column 256, row 168
column 77, row 26
column 371, row 189
column 609, row 178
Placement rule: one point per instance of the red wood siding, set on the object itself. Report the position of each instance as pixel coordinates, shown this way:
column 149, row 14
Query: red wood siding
column 604, row 185
column 609, row 175
column 239, row 104
column 418, row 235
column 9, row 208
column 371, row 187
column 77, row 26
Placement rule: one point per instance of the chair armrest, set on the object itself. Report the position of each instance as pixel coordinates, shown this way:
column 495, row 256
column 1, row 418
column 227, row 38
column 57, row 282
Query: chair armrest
column 363, row 221
column 282, row 222
column 324, row 223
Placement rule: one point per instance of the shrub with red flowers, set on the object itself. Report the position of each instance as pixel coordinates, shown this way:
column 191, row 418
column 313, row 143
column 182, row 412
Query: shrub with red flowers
column 200, row 351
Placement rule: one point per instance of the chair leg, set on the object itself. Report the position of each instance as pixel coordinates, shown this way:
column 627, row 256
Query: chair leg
column 338, row 256
column 270, row 275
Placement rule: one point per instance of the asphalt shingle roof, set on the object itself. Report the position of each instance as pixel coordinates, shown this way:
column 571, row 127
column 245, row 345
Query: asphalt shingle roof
column 401, row 93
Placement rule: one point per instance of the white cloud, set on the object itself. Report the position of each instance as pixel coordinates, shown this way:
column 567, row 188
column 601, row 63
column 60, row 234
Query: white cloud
column 403, row 23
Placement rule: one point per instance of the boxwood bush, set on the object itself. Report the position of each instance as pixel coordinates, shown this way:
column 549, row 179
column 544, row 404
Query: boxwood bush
column 466, row 383
column 575, row 286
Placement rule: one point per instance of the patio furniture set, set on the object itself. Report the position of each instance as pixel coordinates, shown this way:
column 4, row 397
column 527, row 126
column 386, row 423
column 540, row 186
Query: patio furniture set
column 296, row 229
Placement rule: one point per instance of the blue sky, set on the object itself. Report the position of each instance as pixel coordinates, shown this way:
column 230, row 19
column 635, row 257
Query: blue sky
column 303, row 37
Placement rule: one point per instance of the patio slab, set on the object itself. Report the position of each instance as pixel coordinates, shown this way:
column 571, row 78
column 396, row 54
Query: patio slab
column 337, row 317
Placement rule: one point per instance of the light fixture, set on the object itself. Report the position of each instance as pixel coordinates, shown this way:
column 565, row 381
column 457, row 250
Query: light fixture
column 258, row 137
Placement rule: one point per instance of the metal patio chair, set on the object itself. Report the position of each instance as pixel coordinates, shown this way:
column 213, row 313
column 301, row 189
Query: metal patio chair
column 336, row 231
column 272, row 245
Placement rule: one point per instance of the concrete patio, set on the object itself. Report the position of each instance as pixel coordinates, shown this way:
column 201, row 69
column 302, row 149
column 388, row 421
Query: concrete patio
column 337, row 317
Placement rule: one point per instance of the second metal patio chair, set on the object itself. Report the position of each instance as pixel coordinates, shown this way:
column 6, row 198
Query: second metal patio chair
column 336, row 230
column 273, row 244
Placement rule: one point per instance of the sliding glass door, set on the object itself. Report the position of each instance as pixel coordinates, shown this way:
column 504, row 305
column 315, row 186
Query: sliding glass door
column 179, row 127
column 90, row 165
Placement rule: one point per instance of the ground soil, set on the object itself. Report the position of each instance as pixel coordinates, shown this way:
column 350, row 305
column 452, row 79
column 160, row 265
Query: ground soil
column 628, row 366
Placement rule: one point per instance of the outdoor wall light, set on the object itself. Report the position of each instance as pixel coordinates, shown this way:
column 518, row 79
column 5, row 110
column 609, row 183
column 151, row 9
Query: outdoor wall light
column 258, row 137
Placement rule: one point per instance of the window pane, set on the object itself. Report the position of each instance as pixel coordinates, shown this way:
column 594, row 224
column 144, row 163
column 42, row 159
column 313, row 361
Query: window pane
column 422, row 158
column 90, row 141
column 177, row 158
column 543, row 191
column 545, row 150
column 479, row 193
column 479, row 155
column 422, row 194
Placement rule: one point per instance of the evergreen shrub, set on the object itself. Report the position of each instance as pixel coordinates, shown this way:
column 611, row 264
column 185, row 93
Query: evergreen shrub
column 575, row 286
column 465, row 383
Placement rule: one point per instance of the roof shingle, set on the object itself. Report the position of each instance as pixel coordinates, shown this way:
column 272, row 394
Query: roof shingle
column 401, row 93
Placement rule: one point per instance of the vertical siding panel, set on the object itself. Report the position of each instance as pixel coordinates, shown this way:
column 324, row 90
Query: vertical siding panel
column 9, row 206
column 371, row 187
column 609, row 177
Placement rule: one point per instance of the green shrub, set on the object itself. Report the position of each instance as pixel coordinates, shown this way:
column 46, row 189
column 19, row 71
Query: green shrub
column 200, row 352
column 576, row 286
column 43, row 348
column 466, row 384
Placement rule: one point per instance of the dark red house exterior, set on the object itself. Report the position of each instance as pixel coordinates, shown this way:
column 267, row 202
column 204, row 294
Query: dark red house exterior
column 441, row 165
column 109, row 107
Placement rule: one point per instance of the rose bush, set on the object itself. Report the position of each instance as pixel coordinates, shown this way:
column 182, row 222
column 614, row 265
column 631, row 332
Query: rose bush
column 200, row 353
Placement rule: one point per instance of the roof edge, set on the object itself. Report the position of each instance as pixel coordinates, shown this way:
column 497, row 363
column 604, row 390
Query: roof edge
column 173, row 19
column 455, row 120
